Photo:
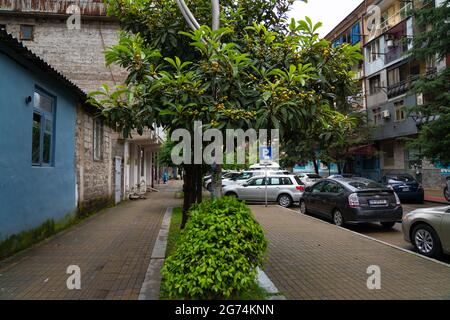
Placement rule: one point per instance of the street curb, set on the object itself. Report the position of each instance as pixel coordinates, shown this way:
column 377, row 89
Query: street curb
column 374, row 239
column 150, row 288
column 267, row 284
column 443, row 202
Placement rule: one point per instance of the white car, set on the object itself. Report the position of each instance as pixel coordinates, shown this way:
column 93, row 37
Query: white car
column 309, row 178
column 244, row 176
column 270, row 166
column 207, row 181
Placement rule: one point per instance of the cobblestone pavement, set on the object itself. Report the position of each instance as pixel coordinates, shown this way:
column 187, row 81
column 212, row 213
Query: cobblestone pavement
column 312, row 259
column 112, row 249
column 393, row 236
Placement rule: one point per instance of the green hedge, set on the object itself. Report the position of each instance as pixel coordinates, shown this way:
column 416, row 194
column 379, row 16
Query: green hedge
column 217, row 254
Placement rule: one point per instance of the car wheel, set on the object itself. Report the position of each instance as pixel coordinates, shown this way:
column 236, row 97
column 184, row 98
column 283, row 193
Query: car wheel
column 209, row 186
column 303, row 208
column 388, row 225
column 447, row 194
column 426, row 241
column 285, row 200
column 231, row 194
column 338, row 218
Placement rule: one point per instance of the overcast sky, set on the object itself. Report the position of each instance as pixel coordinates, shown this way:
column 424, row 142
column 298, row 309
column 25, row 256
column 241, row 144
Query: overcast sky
column 329, row 12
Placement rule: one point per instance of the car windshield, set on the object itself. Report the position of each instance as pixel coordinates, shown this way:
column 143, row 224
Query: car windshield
column 314, row 176
column 364, row 184
column 400, row 178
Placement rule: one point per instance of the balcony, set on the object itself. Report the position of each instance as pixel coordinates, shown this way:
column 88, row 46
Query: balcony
column 401, row 87
column 389, row 21
column 395, row 53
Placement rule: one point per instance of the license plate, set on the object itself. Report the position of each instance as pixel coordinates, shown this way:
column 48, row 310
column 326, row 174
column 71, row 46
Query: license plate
column 406, row 189
column 378, row 202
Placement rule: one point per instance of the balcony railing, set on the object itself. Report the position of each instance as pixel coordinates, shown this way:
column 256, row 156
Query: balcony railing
column 392, row 20
column 401, row 87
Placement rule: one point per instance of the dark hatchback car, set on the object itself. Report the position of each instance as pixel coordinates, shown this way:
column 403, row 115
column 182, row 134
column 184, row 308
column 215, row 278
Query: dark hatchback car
column 352, row 200
column 406, row 187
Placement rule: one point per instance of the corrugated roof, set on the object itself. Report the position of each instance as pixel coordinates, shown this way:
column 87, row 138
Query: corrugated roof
column 87, row 7
column 19, row 50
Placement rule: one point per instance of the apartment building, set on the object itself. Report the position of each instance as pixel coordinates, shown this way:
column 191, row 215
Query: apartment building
column 385, row 29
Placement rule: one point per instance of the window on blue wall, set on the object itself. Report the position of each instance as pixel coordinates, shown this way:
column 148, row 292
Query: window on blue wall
column 43, row 124
column 355, row 34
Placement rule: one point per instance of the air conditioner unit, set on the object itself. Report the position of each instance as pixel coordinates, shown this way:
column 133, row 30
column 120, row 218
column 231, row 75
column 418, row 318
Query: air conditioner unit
column 386, row 114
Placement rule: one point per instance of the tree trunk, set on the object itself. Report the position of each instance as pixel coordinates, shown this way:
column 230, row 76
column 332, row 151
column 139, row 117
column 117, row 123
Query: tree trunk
column 188, row 192
column 192, row 189
column 199, row 183
column 316, row 165
column 217, row 181
column 339, row 164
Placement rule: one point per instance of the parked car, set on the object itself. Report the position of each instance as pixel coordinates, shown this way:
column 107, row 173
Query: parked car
column 406, row 187
column 352, row 200
column 207, row 181
column 447, row 190
column 270, row 166
column 246, row 175
column 283, row 189
column 309, row 178
column 428, row 230
column 342, row 176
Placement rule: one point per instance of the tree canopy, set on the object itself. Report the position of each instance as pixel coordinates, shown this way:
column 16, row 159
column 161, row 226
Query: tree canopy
column 433, row 43
column 257, row 71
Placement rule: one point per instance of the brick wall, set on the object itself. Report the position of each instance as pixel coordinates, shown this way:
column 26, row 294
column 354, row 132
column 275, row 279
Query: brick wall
column 78, row 54
column 94, row 177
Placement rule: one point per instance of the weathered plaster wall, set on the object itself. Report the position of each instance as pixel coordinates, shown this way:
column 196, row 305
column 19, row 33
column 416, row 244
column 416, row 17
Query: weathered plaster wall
column 78, row 54
column 94, row 177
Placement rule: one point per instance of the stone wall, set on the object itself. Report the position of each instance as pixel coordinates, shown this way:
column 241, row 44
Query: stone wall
column 95, row 178
column 78, row 54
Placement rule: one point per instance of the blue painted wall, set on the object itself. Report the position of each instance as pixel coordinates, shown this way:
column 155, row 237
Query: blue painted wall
column 368, row 168
column 309, row 168
column 30, row 195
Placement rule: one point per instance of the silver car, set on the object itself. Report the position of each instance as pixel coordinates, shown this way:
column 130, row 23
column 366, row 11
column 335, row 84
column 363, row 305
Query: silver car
column 428, row 230
column 283, row 189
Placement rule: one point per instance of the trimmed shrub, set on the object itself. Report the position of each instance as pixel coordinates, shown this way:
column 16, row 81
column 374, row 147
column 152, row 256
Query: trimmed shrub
column 217, row 254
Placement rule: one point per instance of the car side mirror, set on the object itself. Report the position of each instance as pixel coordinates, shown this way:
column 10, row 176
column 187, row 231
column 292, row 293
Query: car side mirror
column 308, row 189
column 245, row 185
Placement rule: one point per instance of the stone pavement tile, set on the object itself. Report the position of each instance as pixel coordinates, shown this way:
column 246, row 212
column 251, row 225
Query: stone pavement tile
column 311, row 259
column 112, row 249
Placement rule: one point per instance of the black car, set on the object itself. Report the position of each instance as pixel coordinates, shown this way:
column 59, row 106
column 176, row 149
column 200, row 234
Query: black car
column 406, row 187
column 352, row 200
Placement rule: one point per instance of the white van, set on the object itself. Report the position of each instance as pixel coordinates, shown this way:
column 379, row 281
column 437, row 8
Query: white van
column 260, row 166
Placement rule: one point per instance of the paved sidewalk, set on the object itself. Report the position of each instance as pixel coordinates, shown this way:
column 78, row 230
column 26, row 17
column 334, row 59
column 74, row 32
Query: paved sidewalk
column 311, row 259
column 112, row 249
column 435, row 196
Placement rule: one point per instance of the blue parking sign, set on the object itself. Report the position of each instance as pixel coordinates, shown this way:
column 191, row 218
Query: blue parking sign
column 265, row 153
